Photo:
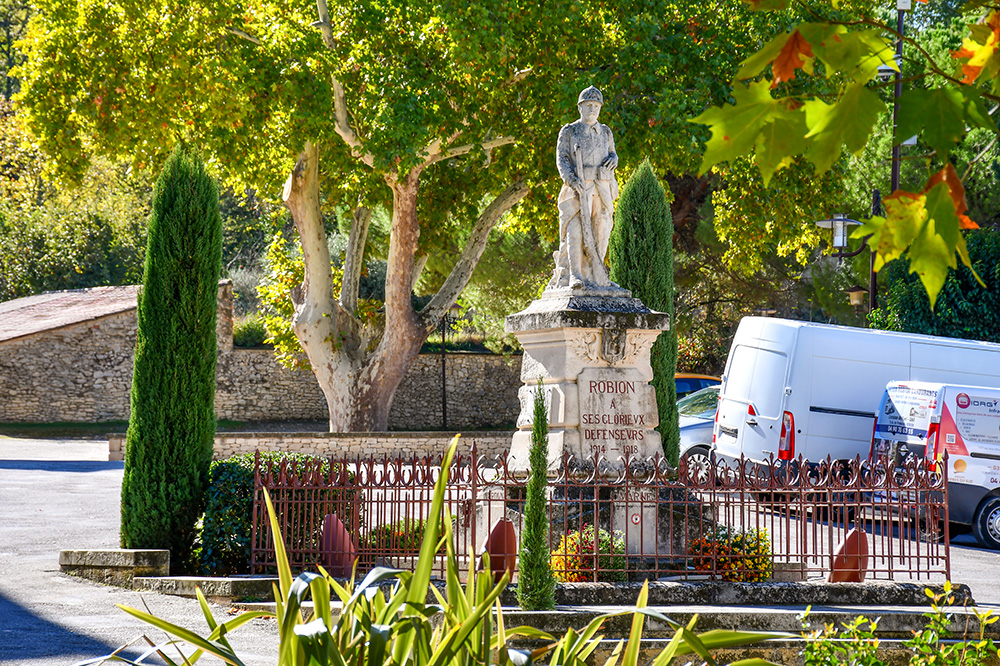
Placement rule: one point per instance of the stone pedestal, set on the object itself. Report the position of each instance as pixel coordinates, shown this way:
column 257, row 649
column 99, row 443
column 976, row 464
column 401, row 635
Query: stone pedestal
column 590, row 349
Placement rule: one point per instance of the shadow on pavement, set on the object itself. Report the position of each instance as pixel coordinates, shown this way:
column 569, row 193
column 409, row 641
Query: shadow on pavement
column 25, row 636
column 76, row 466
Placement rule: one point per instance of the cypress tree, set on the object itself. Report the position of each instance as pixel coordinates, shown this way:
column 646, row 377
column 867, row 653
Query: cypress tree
column 642, row 260
column 172, row 423
column 536, row 586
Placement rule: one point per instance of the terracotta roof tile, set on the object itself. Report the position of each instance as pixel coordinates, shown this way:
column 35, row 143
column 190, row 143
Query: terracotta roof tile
column 56, row 309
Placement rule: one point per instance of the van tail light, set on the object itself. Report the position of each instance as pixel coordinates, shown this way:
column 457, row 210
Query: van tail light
column 871, row 449
column 786, row 443
column 931, row 452
column 750, row 410
column 716, row 427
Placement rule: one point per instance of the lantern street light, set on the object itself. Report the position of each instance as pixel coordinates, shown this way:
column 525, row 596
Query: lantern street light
column 840, row 225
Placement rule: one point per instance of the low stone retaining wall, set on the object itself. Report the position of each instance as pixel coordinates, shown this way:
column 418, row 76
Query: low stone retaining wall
column 352, row 444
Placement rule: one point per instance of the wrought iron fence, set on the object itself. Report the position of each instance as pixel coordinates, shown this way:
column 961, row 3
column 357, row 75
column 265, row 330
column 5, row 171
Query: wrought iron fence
column 744, row 521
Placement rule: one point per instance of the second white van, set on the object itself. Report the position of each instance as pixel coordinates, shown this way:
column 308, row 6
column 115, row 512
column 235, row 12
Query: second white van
column 799, row 388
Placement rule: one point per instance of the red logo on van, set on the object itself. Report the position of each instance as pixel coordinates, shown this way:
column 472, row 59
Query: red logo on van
column 962, row 400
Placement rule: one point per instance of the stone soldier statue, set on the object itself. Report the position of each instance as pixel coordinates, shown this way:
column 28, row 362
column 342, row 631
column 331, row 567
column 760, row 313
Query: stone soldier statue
column 586, row 158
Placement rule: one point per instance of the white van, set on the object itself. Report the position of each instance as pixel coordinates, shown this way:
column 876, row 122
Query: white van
column 925, row 420
column 798, row 388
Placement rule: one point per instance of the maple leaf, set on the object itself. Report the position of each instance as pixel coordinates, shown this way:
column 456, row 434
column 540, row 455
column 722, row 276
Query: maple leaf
column 779, row 139
column 795, row 54
column 892, row 234
column 848, row 121
column 735, row 128
column 956, row 192
column 857, row 55
column 980, row 51
column 927, row 226
column 936, row 114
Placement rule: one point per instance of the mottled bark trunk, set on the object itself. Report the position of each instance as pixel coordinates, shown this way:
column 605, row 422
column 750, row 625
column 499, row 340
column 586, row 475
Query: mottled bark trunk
column 358, row 384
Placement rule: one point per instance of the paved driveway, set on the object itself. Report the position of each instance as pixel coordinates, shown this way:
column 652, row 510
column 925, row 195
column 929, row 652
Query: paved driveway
column 56, row 495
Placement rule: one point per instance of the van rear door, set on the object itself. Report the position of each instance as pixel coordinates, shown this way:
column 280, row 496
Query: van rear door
column 750, row 402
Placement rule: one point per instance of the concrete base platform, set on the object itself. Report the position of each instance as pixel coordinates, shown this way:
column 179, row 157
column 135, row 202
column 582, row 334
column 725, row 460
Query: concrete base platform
column 720, row 593
column 115, row 566
column 894, row 622
column 218, row 590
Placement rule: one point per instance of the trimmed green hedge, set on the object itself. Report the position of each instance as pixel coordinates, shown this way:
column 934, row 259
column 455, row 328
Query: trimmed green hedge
column 225, row 531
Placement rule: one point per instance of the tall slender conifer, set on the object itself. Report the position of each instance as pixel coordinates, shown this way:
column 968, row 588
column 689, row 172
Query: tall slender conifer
column 172, row 423
column 536, row 585
column 642, row 259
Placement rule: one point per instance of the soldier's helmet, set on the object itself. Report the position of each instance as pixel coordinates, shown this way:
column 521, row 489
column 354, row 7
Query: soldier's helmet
column 591, row 94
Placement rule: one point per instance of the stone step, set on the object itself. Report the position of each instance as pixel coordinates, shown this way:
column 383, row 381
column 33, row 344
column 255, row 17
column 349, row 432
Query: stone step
column 218, row 590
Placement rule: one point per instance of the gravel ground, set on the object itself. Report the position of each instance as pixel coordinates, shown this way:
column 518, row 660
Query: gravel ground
column 64, row 494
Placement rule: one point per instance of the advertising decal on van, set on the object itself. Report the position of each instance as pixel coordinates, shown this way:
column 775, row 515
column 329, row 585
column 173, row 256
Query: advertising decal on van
column 906, row 413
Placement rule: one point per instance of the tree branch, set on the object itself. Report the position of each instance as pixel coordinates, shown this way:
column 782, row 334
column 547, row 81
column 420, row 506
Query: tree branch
column 341, row 123
column 353, row 261
column 462, row 271
column 448, row 153
column 243, row 35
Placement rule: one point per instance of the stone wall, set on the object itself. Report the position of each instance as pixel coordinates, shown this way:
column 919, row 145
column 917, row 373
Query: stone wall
column 343, row 444
column 83, row 373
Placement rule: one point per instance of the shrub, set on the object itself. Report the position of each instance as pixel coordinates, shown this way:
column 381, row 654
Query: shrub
column 740, row 556
column 580, row 551
column 172, row 425
column 403, row 536
column 249, row 331
column 225, row 528
column 855, row 641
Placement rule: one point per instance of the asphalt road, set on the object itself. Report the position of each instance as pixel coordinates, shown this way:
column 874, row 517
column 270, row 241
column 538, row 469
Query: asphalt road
column 64, row 494
column 57, row 495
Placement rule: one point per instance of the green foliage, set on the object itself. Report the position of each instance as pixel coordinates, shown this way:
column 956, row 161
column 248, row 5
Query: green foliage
column 742, row 556
column 224, row 540
column 513, row 269
column 14, row 17
column 249, row 331
column 855, row 642
column 403, row 536
column 964, row 309
column 536, row 584
column 642, row 260
column 584, row 552
column 402, row 629
column 810, row 93
column 172, row 424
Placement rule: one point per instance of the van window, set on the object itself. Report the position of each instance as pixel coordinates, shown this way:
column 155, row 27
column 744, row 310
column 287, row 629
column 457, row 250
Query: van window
column 757, row 375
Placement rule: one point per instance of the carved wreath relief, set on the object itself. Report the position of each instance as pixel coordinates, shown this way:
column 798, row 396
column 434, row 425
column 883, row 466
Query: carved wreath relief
column 614, row 346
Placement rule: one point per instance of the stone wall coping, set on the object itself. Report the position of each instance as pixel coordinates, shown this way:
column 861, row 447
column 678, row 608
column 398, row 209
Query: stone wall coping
column 395, row 434
column 115, row 557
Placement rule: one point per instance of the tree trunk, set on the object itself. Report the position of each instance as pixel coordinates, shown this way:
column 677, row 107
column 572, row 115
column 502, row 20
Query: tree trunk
column 358, row 384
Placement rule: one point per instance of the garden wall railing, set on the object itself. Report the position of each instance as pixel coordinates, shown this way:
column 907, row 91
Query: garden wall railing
column 740, row 522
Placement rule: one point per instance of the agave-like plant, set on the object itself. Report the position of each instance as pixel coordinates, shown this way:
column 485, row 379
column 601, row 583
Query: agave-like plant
column 462, row 626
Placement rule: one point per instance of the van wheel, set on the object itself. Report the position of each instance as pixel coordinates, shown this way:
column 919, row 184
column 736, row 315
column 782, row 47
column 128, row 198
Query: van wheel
column 986, row 524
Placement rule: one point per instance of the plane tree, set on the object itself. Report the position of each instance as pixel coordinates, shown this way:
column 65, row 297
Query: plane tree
column 442, row 115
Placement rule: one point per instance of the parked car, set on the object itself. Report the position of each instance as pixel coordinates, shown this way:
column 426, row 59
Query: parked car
column 687, row 383
column 696, row 418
